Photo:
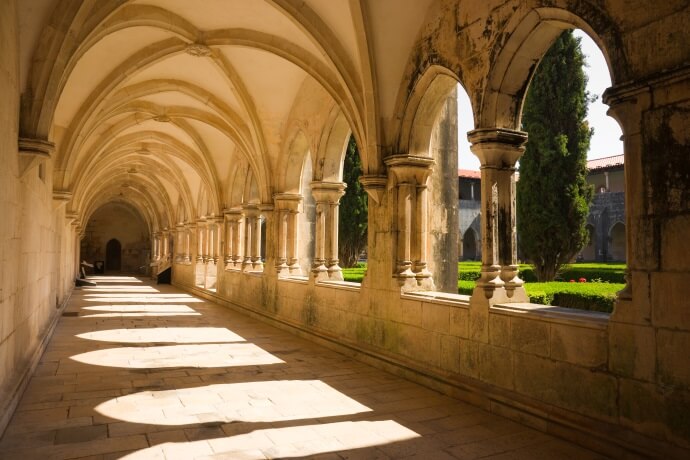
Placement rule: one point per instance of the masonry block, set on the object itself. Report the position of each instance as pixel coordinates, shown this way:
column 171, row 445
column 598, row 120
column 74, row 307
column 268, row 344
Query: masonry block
column 670, row 300
column 578, row 345
column 459, row 322
column 499, row 330
column 673, row 362
column 529, row 336
column 632, row 351
column 436, row 317
column 566, row 385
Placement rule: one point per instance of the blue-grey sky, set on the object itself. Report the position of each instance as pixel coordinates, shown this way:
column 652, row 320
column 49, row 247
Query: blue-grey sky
column 606, row 139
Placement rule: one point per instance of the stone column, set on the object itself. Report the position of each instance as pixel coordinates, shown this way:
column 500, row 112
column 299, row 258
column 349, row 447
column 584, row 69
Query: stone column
column 287, row 210
column 236, row 223
column 156, row 246
column 327, row 196
column 250, row 214
column 410, row 174
column 200, row 227
column 215, row 241
column 229, row 240
column 179, row 243
column 498, row 150
column 187, row 256
column 257, row 263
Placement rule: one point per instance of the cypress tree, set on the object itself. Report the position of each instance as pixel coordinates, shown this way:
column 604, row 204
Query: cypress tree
column 352, row 226
column 553, row 196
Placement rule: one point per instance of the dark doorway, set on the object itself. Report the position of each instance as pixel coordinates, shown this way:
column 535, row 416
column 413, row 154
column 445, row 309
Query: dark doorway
column 113, row 256
column 469, row 245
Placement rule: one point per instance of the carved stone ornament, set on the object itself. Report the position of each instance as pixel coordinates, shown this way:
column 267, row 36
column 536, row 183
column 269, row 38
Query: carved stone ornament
column 198, row 50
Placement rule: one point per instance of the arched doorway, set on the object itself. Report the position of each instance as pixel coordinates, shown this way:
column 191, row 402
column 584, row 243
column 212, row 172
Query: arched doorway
column 617, row 242
column 469, row 245
column 113, row 256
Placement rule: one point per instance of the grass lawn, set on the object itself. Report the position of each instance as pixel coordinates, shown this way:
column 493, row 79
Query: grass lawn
column 596, row 296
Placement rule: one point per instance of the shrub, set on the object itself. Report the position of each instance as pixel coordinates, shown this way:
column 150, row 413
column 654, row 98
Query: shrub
column 582, row 296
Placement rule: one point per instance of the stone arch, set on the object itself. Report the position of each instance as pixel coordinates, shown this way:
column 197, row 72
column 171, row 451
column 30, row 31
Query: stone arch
column 616, row 241
column 295, row 162
column 469, row 245
column 328, row 165
column 423, row 108
column 529, row 37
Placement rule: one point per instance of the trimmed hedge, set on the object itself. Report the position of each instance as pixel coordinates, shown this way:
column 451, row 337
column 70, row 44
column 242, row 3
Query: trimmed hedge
column 355, row 274
column 582, row 296
column 604, row 272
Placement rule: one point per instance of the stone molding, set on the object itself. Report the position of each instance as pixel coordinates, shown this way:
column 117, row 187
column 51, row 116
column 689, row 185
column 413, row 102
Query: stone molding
column 33, row 152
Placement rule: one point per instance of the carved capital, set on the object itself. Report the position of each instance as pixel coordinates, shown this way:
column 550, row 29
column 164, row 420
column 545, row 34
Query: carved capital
column 375, row 186
column 410, row 169
column 497, row 147
column 328, row 192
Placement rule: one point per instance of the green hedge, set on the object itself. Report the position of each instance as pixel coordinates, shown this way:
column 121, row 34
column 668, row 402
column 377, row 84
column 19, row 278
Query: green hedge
column 583, row 296
column 604, row 272
column 355, row 274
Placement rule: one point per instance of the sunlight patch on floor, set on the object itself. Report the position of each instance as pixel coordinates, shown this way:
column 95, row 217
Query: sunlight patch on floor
column 129, row 308
column 165, row 334
column 194, row 356
column 268, row 401
column 141, row 298
column 297, row 441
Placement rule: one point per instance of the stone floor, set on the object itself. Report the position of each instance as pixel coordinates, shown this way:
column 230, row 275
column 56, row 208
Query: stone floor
column 139, row 371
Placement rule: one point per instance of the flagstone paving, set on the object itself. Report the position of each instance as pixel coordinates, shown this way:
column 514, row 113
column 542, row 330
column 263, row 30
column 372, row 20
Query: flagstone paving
column 140, row 371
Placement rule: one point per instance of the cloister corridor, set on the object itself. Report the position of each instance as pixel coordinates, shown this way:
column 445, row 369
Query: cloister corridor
column 137, row 370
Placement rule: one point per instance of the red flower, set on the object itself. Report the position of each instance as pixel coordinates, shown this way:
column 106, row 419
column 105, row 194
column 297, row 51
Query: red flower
column 582, row 280
column 572, row 281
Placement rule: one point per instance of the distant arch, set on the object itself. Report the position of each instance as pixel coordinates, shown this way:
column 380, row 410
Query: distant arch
column 617, row 242
column 469, row 245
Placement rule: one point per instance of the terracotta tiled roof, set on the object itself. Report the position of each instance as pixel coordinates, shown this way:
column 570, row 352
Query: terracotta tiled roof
column 469, row 174
column 608, row 162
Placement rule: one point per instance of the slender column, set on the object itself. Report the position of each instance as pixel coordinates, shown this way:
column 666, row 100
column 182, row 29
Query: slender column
column 327, row 196
column 237, row 239
column 498, row 150
column 229, row 240
column 165, row 242
column 293, row 243
column 216, row 225
column 411, row 173
column 187, row 256
column 179, row 243
column 156, row 247
column 200, row 237
column 257, row 263
column 287, row 206
column 319, row 268
column 249, row 217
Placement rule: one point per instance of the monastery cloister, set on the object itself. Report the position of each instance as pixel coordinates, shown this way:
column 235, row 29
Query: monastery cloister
column 208, row 137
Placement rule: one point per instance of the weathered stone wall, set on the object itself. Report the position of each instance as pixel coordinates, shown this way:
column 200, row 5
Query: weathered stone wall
column 35, row 274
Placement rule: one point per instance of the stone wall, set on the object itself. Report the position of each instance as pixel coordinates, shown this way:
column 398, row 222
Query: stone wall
column 36, row 241
column 120, row 222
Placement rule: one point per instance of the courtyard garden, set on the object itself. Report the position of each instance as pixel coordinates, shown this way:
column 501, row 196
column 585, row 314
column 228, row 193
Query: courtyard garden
column 585, row 286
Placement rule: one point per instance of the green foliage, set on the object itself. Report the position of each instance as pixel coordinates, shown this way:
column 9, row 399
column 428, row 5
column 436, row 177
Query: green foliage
column 553, row 196
column 592, row 272
column 352, row 227
column 355, row 274
column 582, row 296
